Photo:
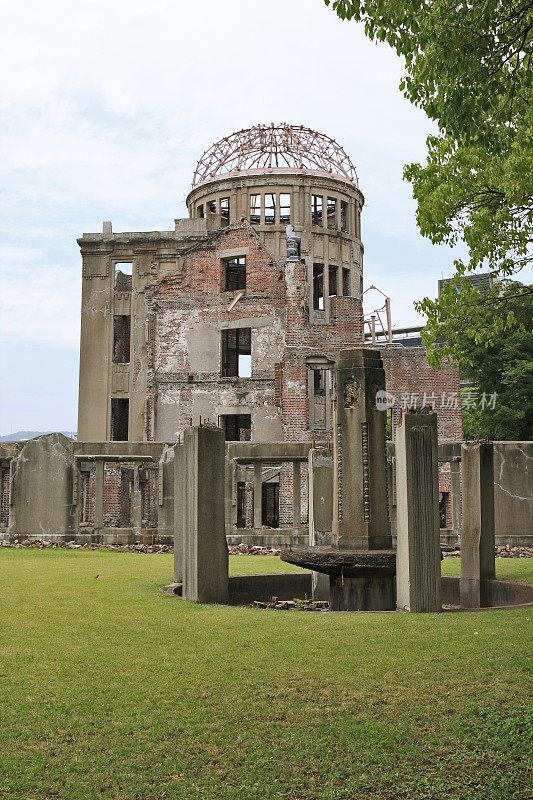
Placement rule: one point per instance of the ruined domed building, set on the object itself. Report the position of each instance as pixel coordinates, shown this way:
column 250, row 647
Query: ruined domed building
column 236, row 316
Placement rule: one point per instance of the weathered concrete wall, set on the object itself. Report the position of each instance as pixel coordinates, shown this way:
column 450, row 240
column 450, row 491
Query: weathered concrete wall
column 41, row 504
column 513, row 492
column 245, row 589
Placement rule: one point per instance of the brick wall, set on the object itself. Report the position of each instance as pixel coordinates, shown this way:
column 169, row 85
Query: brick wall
column 414, row 383
column 4, row 496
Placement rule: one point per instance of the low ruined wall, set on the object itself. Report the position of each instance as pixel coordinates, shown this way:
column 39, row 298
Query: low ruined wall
column 502, row 593
column 244, row 589
column 513, row 492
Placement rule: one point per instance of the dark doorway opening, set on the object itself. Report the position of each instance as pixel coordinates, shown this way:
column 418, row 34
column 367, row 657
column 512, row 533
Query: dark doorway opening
column 270, row 504
column 120, row 409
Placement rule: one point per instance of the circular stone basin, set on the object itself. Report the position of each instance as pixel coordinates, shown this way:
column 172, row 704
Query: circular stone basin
column 349, row 563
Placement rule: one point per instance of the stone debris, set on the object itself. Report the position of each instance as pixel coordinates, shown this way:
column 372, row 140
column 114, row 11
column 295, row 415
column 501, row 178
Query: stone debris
column 252, row 550
column 292, row 605
column 503, row 551
column 500, row 551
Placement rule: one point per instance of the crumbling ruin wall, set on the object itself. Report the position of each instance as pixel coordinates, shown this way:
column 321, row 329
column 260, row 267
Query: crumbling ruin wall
column 188, row 312
column 415, row 384
column 42, row 489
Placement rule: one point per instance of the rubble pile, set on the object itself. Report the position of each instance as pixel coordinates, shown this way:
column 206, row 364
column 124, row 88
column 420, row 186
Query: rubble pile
column 292, row 605
column 252, row 550
column 39, row 544
column 501, row 551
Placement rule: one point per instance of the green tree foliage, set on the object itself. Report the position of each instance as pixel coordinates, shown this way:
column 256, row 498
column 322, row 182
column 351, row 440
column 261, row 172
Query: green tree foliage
column 502, row 370
column 469, row 66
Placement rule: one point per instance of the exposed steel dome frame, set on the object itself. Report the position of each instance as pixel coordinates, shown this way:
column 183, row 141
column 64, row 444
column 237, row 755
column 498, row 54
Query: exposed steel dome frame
column 274, row 148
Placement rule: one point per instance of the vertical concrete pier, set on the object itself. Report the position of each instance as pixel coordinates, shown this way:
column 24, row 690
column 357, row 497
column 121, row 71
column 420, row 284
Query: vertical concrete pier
column 179, row 510
column 320, row 510
column 205, row 552
column 477, row 534
column 360, row 503
column 418, row 534
column 360, row 561
column 360, row 509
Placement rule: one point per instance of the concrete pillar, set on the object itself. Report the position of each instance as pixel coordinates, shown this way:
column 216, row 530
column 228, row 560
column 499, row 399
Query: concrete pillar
column 455, row 488
column 296, row 495
column 258, row 495
column 477, row 534
column 360, row 514
column 320, row 510
column 205, row 568
column 179, row 511
column 417, row 526
column 136, row 504
column 98, row 494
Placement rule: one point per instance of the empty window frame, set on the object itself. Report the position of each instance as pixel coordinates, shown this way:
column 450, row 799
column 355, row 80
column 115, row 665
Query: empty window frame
column 270, row 504
column 238, row 427
column 224, row 210
column 332, row 213
column 237, row 353
column 346, row 288
column 121, row 338
column 255, row 209
column 318, row 287
column 123, row 276
column 344, row 215
column 284, row 209
column 319, row 385
column 234, row 273
column 316, row 209
column 332, row 276
column 211, row 206
column 200, row 211
column 120, row 409
column 270, row 208
column 241, row 504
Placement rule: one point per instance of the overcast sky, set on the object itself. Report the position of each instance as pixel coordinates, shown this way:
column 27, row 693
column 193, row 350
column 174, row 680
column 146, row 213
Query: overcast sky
column 106, row 108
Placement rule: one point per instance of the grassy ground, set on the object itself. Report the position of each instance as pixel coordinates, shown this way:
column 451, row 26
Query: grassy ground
column 507, row 569
column 111, row 689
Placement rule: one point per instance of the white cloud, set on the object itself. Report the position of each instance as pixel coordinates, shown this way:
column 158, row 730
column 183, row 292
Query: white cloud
column 107, row 106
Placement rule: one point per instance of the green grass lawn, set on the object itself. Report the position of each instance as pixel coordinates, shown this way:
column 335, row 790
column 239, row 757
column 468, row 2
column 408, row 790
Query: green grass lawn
column 507, row 569
column 111, row 689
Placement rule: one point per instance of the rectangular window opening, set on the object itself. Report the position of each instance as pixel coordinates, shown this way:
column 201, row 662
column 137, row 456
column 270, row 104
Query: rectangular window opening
column 121, row 338
column 234, row 273
column 238, row 427
column 224, row 210
column 255, row 209
column 320, row 386
column 332, row 213
column 316, row 209
column 237, row 353
column 344, row 215
column 318, row 287
column 284, row 208
column 200, row 212
column 123, row 276
column 270, row 504
column 212, row 207
column 346, row 282
column 270, row 208
column 120, row 409
column 332, row 275
column 241, row 503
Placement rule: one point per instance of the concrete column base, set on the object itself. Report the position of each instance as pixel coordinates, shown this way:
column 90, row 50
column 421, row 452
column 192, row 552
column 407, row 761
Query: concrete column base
column 475, row 594
column 362, row 594
column 320, row 586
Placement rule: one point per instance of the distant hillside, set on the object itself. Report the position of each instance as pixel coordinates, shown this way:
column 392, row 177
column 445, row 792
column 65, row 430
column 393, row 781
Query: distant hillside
column 20, row 435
